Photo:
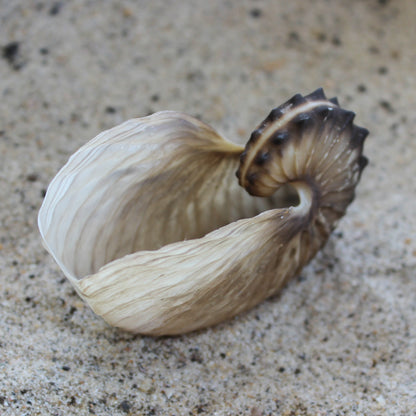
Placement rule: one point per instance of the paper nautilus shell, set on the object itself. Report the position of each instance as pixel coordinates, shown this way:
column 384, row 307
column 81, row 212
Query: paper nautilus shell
column 157, row 234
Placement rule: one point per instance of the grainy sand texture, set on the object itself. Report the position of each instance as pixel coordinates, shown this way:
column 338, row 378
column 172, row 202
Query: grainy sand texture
column 341, row 338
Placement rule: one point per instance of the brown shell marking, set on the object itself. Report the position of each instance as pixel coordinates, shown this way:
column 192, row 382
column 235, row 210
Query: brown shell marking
column 311, row 143
column 296, row 139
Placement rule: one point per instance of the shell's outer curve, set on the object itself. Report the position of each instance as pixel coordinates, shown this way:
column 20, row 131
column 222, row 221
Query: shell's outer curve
column 154, row 232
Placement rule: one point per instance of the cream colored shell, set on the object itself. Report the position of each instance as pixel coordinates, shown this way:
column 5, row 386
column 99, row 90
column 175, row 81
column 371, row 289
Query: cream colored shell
column 152, row 228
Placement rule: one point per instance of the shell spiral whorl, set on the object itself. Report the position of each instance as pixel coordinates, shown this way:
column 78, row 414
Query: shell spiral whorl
column 311, row 143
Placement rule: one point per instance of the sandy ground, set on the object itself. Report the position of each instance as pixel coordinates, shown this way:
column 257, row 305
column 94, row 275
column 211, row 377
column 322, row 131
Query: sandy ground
column 338, row 340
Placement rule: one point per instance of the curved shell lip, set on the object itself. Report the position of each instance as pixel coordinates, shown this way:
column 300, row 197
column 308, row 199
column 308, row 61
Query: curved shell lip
column 88, row 288
column 152, row 121
column 45, row 214
column 58, row 261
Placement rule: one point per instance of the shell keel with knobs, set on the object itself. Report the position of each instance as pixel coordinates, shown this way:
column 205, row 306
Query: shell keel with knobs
column 155, row 232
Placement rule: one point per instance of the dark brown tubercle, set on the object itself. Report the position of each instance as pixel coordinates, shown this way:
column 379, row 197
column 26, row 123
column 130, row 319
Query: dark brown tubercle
column 309, row 142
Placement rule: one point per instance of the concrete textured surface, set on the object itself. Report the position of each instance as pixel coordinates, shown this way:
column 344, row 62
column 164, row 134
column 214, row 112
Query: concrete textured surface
column 338, row 340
